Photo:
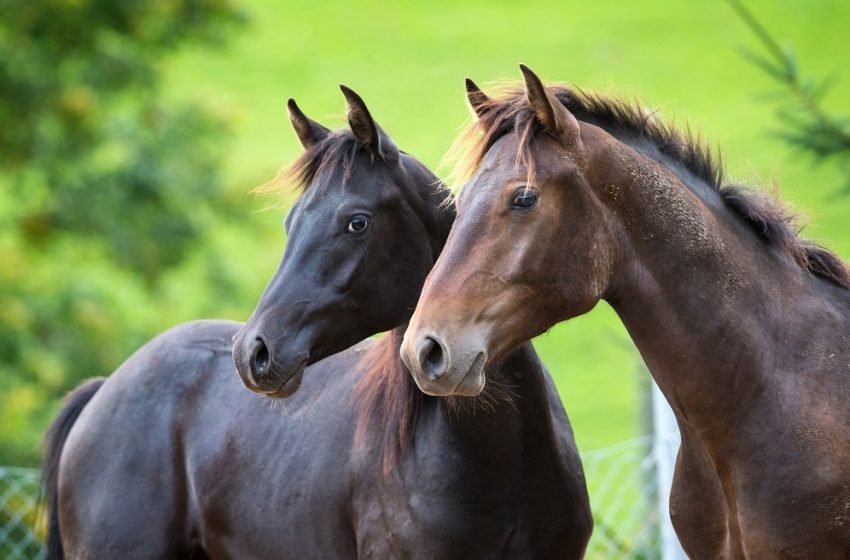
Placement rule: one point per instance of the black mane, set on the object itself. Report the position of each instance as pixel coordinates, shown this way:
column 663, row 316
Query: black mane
column 339, row 150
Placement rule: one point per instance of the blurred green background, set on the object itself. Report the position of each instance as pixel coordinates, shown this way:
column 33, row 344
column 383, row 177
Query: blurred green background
column 131, row 135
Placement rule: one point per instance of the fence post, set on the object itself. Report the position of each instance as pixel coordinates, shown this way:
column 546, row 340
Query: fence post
column 665, row 446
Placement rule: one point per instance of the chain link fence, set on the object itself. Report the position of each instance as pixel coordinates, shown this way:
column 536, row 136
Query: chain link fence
column 623, row 484
column 21, row 527
column 622, row 480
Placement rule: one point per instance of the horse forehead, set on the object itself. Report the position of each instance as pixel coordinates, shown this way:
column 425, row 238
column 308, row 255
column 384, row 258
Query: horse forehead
column 319, row 198
column 498, row 166
column 503, row 152
column 504, row 161
column 338, row 188
column 372, row 181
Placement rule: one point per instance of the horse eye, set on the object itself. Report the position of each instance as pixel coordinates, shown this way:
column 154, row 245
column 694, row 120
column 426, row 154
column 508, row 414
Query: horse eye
column 524, row 198
column 357, row 224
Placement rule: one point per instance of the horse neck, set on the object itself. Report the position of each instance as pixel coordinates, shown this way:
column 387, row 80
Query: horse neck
column 702, row 298
column 515, row 411
column 434, row 208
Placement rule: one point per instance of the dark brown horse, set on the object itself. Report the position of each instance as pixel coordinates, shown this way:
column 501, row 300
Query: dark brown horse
column 574, row 198
column 172, row 457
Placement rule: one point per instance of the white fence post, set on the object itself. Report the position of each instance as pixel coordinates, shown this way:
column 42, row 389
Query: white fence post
column 665, row 446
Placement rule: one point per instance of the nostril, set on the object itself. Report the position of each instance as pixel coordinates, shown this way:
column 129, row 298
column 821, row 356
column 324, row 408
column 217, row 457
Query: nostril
column 260, row 358
column 432, row 358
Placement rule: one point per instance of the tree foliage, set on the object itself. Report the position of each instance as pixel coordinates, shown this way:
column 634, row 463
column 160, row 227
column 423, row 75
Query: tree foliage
column 805, row 124
column 104, row 188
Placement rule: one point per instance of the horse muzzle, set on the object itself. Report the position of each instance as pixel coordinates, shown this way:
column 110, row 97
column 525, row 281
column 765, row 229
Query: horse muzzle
column 262, row 372
column 444, row 370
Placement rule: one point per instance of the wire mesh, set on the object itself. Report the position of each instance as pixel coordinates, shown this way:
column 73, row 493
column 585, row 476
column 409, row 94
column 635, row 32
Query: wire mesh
column 20, row 524
column 623, row 490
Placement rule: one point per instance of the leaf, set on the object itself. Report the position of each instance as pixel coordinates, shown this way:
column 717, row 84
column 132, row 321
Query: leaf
column 775, row 70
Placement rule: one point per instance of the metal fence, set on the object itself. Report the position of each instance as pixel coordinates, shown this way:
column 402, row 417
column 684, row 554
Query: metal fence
column 624, row 495
column 622, row 480
column 21, row 528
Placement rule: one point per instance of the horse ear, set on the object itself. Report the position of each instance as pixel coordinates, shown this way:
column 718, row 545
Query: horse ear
column 309, row 131
column 364, row 127
column 550, row 112
column 477, row 98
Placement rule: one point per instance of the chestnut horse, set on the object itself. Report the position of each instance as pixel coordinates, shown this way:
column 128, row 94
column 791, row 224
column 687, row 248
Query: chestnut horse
column 172, row 457
column 571, row 198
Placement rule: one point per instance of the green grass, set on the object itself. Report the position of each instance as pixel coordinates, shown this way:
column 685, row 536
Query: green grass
column 408, row 61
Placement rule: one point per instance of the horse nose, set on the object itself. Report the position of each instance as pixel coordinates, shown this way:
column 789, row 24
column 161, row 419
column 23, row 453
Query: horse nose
column 432, row 358
column 260, row 362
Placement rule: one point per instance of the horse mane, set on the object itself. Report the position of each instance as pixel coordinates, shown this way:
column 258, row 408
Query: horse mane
column 339, row 149
column 388, row 402
column 386, row 399
column 629, row 121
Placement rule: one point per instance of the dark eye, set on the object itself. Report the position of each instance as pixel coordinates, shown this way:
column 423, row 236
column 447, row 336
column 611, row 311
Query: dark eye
column 524, row 198
column 357, row 224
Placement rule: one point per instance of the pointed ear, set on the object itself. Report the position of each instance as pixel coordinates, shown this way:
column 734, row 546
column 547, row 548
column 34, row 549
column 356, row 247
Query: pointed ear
column 364, row 127
column 309, row 131
column 550, row 112
column 477, row 98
